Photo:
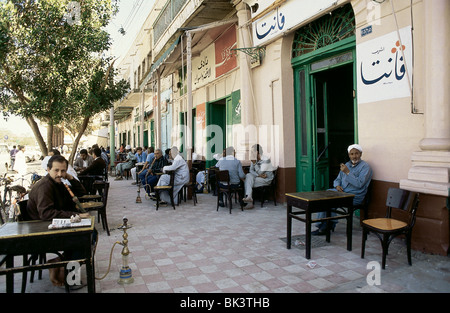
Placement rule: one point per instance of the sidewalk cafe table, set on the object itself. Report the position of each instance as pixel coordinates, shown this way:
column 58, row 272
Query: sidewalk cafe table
column 318, row 201
column 34, row 237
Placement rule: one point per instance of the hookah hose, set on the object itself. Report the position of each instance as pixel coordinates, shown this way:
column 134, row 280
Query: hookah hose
column 110, row 257
column 75, row 199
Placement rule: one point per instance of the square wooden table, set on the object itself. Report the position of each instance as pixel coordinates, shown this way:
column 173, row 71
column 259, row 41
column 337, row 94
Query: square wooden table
column 318, row 201
column 34, row 237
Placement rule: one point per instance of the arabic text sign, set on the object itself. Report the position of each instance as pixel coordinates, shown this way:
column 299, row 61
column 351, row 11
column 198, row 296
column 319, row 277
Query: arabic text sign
column 381, row 69
column 288, row 15
column 226, row 60
column 203, row 67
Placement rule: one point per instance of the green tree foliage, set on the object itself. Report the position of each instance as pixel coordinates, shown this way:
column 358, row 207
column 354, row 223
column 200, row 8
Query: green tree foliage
column 52, row 62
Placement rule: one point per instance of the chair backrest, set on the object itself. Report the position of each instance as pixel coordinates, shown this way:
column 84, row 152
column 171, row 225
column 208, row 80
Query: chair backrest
column 403, row 200
column 103, row 190
column 172, row 177
column 87, row 181
column 274, row 180
column 23, row 214
column 193, row 175
column 223, row 176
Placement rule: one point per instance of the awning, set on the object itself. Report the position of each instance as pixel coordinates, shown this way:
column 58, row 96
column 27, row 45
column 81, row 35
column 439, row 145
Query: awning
column 160, row 61
column 121, row 112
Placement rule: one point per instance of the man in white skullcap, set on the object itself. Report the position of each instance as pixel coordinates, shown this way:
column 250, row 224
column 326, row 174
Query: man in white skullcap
column 181, row 169
column 354, row 178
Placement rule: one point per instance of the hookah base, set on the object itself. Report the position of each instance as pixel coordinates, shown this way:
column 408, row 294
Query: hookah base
column 126, row 276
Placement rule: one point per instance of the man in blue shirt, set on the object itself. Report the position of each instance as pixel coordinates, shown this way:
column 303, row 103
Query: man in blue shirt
column 147, row 165
column 354, row 178
column 140, row 158
column 235, row 171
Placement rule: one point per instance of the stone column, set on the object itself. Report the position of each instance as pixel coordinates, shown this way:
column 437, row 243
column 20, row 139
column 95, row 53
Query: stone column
column 431, row 166
column 245, row 41
column 141, row 117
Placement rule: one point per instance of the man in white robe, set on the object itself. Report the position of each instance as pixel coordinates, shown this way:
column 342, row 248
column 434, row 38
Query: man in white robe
column 181, row 169
column 260, row 174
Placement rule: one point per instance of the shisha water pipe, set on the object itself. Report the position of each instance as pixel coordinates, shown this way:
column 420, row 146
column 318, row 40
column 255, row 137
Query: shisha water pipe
column 126, row 276
column 125, row 272
column 138, row 198
column 74, row 198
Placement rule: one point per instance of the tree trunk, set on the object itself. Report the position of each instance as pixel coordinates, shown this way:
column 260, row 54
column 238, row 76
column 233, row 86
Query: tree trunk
column 50, row 136
column 37, row 135
column 78, row 138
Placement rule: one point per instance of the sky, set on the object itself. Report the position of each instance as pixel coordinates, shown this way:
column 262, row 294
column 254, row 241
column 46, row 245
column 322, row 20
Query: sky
column 131, row 15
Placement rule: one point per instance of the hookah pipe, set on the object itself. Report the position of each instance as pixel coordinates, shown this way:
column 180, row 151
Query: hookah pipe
column 75, row 199
column 125, row 274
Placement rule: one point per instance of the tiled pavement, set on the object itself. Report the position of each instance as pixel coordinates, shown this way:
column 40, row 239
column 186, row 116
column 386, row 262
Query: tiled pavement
column 195, row 249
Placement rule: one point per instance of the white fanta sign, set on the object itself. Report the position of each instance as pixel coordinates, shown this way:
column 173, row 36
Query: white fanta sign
column 383, row 65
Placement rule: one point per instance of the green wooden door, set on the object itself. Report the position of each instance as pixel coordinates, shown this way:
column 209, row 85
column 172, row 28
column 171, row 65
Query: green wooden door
column 152, row 133
column 312, row 131
column 216, row 122
column 319, row 133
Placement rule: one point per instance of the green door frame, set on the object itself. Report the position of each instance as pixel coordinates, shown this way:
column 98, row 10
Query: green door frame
column 304, row 107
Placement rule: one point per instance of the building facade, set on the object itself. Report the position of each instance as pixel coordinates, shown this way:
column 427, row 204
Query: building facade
column 304, row 79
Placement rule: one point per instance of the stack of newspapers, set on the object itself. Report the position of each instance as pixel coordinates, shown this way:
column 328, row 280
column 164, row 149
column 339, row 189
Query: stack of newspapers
column 58, row 223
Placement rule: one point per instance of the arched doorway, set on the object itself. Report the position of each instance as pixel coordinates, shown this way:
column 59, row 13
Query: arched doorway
column 323, row 59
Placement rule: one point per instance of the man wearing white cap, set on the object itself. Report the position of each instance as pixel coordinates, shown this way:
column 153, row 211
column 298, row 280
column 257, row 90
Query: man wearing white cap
column 354, row 178
column 128, row 164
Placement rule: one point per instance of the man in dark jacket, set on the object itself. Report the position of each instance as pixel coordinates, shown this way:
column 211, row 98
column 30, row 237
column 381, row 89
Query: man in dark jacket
column 49, row 198
column 97, row 167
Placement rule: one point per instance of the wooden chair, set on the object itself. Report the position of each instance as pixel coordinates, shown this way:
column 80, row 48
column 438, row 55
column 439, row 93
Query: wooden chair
column 102, row 188
column 189, row 187
column 88, row 181
column 263, row 191
column 404, row 205
column 22, row 215
column 169, row 188
column 223, row 186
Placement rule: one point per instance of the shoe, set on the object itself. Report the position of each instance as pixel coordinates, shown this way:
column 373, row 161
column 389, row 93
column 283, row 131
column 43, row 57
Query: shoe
column 319, row 232
column 249, row 206
column 221, row 204
column 118, row 178
column 322, row 231
column 248, row 199
column 133, row 183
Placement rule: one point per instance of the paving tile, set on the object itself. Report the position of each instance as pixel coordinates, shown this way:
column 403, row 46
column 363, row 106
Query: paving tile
column 199, row 250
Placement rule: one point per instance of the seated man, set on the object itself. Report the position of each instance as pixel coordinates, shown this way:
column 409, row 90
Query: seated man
column 260, row 174
column 151, row 177
column 98, row 167
column 52, row 152
column 235, row 171
column 104, row 155
column 140, row 158
column 50, row 199
column 83, row 162
column 127, row 165
column 354, row 178
column 148, row 162
column 181, row 169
